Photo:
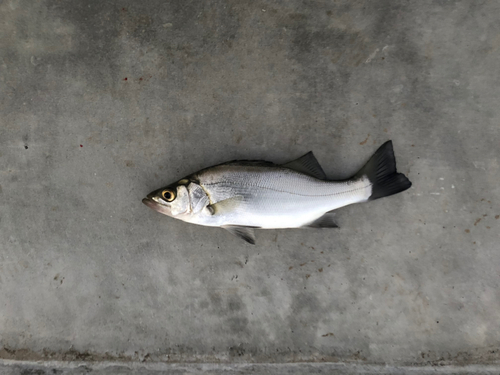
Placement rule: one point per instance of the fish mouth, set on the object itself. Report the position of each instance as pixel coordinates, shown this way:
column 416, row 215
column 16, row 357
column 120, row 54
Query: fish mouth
column 156, row 206
column 149, row 202
column 152, row 203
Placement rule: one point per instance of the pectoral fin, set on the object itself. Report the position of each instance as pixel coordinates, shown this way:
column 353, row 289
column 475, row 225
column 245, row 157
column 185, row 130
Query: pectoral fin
column 245, row 233
column 226, row 206
column 325, row 221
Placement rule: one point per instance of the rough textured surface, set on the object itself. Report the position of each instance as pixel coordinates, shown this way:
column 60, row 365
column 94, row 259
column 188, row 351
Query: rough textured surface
column 102, row 102
column 82, row 368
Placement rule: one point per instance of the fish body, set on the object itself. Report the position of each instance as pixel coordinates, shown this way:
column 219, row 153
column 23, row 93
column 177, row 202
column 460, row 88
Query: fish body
column 272, row 196
column 243, row 195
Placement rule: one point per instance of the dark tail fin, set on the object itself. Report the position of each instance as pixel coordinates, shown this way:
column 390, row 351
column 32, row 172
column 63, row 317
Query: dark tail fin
column 381, row 171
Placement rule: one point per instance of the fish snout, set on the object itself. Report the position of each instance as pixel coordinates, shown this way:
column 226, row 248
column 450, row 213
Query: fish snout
column 149, row 202
column 154, row 205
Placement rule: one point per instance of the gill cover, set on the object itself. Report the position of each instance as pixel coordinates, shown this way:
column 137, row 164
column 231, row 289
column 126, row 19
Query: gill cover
column 199, row 198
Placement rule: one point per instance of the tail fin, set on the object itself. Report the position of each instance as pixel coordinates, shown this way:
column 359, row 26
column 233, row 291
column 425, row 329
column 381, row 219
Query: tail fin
column 381, row 171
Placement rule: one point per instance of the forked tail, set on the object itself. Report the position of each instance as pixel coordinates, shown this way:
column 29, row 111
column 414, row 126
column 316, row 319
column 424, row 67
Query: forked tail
column 381, row 171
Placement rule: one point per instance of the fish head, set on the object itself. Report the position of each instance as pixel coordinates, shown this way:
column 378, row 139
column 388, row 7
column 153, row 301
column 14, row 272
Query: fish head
column 172, row 200
column 186, row 200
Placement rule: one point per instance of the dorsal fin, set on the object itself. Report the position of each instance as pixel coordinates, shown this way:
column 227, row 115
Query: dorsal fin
column 307, row 164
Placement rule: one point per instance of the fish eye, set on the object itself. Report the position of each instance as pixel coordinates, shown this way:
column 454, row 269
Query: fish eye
column 168, row 195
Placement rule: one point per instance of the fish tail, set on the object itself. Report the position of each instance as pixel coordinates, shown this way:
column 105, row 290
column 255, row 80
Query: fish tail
column 381, row 171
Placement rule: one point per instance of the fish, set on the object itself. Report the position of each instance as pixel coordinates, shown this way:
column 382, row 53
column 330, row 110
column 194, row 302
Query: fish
column 243, row 195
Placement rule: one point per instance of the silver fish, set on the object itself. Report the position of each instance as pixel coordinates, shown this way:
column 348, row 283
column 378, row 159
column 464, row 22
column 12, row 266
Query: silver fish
column 243, row 195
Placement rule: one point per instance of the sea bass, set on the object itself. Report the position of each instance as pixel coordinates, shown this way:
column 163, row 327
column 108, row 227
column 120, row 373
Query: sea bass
column 244, row 195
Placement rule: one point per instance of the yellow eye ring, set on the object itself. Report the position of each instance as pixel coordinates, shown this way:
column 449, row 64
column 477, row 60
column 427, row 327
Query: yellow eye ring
column 168, row 195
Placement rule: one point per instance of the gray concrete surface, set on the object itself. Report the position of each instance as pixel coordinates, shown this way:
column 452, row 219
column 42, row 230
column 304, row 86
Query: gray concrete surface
column 79, row 368
column 102, row 102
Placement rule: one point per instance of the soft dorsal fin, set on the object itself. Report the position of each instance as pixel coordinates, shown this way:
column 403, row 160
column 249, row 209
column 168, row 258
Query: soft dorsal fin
column 307, row 164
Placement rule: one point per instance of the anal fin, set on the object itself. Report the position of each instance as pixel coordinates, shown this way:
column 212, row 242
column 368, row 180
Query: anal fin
column 325, row 221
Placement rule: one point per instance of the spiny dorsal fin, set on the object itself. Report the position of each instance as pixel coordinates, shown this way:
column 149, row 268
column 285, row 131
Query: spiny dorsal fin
column 245, row 233
column 307, row 164
column 325, row 221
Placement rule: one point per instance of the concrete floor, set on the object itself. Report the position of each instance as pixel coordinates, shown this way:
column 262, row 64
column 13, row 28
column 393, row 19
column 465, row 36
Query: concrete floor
column 110, row 368
column 102, row 102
